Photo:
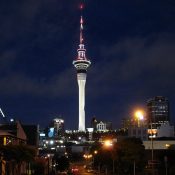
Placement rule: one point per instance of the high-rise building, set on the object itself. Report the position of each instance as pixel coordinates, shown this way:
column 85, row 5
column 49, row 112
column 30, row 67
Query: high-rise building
column 56, row 128
column 158, row 110
column 81, row 64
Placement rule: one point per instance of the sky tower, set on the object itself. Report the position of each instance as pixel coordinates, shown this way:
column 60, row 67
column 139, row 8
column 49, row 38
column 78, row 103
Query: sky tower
column 81, row 64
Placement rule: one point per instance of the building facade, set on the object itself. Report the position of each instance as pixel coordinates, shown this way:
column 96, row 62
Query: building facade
column 58, row 126
column 158, row 110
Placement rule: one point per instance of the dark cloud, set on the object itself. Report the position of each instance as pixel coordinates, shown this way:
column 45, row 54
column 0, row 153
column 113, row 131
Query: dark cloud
column 7, row 58
column 134, row 57
column 130, row 72
column 20, row 84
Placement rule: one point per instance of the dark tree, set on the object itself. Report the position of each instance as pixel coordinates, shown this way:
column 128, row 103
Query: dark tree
column 121, row 156
column 131, row 151
column 62, row 163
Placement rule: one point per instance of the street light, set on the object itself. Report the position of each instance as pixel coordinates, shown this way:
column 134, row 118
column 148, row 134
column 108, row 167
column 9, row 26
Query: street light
column 48, row 158
column 95, row 152
column 93, row 156
column 108, row 144
column 139, row 114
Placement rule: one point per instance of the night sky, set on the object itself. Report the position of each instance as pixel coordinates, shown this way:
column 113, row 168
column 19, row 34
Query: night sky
column 131, row 44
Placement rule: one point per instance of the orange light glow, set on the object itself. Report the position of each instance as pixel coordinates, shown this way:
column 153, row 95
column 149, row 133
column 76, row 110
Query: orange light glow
column 108, row 143
column 139, row 115
column 95, row 152
column 152, row 131
column 87, row 156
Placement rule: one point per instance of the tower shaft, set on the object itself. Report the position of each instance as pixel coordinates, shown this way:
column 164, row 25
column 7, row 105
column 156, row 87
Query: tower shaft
column 81, row 78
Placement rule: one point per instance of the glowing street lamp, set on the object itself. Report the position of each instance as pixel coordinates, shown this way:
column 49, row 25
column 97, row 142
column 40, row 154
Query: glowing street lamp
column 139, row 116
column 108, row 143
column 95, row 152
column 48, row 158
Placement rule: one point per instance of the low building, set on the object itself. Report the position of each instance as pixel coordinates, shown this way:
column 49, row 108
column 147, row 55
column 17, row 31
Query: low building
column 12, row 133
column 103, row 126
column 138, row 132
column 165, row 130
column 158, row 144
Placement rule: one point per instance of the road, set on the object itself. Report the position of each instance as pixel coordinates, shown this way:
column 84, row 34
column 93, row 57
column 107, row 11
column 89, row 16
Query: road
column 82, row 170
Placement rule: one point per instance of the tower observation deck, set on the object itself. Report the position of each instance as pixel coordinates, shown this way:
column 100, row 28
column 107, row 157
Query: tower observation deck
column 81, row 63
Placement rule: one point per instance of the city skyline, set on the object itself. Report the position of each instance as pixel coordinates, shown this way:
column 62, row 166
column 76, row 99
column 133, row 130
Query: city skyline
column 131, row 45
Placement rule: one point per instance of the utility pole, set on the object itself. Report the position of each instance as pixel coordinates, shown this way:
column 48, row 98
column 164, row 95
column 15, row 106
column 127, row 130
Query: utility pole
column 166, row 165
column 134, row 167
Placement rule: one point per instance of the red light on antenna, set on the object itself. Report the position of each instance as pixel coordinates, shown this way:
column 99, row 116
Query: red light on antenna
column 81, row 6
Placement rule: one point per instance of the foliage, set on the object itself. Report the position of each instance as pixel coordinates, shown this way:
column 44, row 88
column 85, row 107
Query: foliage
column 39, row 166
column 62, row 163
column 130, row 151
column 122, row 155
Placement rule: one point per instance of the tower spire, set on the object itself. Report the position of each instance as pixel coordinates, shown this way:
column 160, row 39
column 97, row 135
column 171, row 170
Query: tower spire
column 81, row 30
column 81, row 50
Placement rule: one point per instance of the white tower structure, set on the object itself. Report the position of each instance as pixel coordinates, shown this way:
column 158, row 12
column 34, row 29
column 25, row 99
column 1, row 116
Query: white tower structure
column 81, row 64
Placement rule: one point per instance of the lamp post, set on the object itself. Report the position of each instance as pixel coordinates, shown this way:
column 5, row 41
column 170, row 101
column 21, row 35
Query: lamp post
column 108, row 144
column 48, row 158
column 95, row 152
column 139, row 115
column 134, row 167
column 166, row 165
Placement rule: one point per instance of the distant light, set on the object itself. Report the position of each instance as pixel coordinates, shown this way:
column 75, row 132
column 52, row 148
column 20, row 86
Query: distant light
column 152, row 131
column 51, row 142
column 61, row 141
column 57, row 120
column 167, row 145
column 42, row 134
column 90, row 129
column 87, row 156
column 11, row 120
column 108, row 143
column 95, row 152
column 81, row 6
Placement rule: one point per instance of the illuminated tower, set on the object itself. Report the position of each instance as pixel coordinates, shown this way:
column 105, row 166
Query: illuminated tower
column 81, row 64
